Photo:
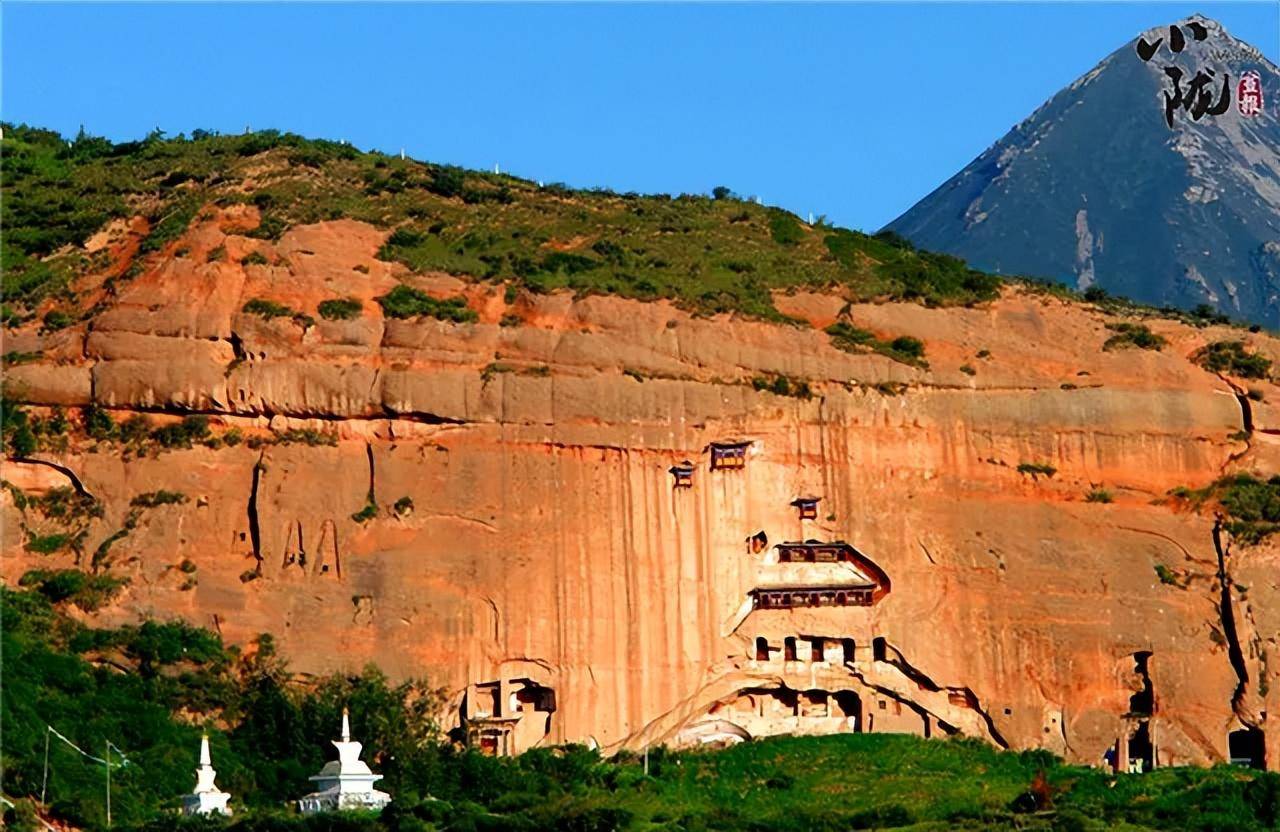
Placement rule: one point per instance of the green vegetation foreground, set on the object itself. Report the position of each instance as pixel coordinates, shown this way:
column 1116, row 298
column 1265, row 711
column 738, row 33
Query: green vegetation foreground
column 269, row 733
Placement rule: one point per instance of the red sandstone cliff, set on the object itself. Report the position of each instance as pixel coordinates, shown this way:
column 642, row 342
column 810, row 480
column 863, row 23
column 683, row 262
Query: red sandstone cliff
column 547, row 544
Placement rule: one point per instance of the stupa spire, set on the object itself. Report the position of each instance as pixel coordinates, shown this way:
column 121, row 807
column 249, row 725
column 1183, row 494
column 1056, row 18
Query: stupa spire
column 344, row 783
column 206, row 798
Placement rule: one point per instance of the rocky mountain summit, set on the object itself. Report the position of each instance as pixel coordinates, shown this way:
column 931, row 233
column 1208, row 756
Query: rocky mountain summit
column 1143, row 177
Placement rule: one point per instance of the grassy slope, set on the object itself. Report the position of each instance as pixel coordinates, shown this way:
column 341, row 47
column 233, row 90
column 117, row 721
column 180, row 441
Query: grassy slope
column 710, row 254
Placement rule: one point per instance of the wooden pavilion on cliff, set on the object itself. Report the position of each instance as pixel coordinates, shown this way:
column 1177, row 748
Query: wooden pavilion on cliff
column 807, row 507
column 729, row 456
column 814, row 595
column 814, row 573
column 817, row 551
column 682, row 474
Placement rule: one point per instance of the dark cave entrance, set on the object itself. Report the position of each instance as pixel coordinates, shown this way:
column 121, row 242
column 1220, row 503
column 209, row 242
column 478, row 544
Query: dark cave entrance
column 1247, row 747
column 1141, row 749
column 1143, row 702
column 849, row 705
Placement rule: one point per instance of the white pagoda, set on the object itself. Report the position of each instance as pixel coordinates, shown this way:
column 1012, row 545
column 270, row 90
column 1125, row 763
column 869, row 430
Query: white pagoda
column 205, row 799
column 344, row 783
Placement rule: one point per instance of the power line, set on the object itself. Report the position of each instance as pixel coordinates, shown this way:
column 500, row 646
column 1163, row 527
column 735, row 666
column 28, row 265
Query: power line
column 110, row 745
column 105, row 761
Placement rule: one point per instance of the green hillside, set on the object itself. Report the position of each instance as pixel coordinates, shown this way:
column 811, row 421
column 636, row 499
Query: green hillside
column 710, row 253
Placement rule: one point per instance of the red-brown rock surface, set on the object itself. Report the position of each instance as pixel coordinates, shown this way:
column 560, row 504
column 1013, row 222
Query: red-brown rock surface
column 546, row 541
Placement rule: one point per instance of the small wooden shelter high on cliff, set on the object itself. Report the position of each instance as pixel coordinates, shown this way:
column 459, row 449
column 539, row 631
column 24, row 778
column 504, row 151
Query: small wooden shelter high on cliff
column 807, row 507
column 729, row 456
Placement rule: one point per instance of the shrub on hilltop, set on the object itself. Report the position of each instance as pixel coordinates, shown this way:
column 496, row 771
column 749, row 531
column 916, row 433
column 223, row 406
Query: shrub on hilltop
column 1233, row 358
column 408, row 302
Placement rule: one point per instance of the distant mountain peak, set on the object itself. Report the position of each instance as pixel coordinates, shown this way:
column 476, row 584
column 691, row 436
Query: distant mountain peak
column 1143, row 176
column 1221, row 42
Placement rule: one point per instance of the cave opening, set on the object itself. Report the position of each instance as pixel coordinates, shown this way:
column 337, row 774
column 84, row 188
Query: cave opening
column 762, row 649
column 532, row 696
column 849, row 705
column 1247, row 747
column 815, row 704
column 789, row 649
column 488, row 700
column 847, row 650
column 1141, row 749
column 1143, row 702
column 255, row 531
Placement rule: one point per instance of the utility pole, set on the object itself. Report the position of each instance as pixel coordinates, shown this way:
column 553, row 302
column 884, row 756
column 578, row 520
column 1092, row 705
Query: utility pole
column 44, row 780
column 108, row 758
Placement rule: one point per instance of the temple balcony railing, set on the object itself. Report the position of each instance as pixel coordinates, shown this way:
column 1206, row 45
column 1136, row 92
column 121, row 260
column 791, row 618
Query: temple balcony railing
column 811, row 595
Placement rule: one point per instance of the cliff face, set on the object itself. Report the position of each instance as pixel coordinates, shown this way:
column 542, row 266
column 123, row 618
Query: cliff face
column 546, row 547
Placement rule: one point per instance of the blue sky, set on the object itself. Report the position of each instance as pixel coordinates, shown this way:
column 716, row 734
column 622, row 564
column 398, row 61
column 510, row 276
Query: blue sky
column 853, row 111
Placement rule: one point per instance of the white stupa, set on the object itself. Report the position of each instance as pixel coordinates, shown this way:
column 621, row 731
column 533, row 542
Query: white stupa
column 344, row 783
column 205, row 799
